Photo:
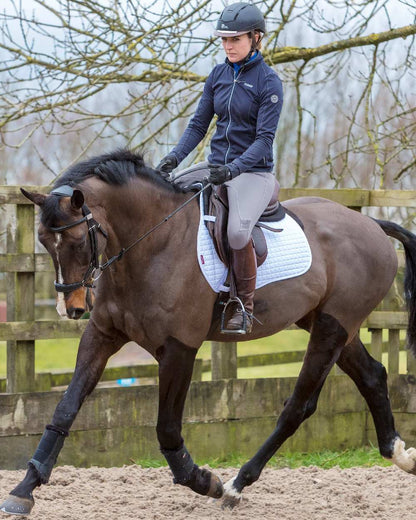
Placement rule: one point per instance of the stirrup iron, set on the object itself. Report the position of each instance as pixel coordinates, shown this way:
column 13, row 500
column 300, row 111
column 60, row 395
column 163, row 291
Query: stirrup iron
column 240, row 305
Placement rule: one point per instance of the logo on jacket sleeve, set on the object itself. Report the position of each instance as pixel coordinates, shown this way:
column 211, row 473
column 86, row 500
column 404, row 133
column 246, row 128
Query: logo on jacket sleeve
column 274, row 98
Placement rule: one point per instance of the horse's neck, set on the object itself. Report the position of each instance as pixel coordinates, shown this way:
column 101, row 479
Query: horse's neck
column 135, row 209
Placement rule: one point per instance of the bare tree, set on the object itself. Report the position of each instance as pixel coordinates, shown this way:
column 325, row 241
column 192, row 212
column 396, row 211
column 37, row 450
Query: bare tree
column 82, row 71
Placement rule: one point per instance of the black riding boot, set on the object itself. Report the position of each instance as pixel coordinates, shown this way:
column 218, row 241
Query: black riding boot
column 244, row 266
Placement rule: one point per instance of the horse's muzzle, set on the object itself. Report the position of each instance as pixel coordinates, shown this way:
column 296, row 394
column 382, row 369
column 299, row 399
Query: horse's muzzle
column 75, row 313
column 78, row 302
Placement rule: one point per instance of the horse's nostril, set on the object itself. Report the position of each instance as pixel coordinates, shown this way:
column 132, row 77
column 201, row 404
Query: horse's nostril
column 75, row 313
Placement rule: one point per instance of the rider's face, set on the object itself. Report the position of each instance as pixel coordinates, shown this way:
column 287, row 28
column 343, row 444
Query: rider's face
column 236, row 47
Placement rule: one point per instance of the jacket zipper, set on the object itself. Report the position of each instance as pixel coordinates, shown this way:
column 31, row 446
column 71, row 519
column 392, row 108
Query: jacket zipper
column 229, row 114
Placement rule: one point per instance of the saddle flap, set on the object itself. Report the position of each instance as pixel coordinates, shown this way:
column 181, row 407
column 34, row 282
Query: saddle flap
column 260, row 245
column 216, row 207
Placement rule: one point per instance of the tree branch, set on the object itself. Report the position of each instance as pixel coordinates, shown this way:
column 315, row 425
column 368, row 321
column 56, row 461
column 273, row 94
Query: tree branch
column 288, row 54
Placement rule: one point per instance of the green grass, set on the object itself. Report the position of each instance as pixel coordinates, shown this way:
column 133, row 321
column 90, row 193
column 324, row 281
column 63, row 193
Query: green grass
column 3, row 357
column 55, row 354
column 349, row 458
column 284, row 341
column 59, row 354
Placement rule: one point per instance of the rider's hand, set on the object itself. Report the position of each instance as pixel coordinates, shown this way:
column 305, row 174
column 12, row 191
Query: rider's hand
column 167, row 164
column 219, row 174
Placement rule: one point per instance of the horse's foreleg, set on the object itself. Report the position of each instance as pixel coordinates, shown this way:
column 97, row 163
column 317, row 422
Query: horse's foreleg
column 371, row 379
column 93, row 353
column 176, row 362
column 326, row 341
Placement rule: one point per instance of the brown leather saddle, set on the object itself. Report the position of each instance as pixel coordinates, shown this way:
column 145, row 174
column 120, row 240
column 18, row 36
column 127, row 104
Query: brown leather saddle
column 216, row 218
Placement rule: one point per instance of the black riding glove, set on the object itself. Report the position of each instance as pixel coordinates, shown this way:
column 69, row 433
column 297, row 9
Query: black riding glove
column 219, row 174
column 167, row 164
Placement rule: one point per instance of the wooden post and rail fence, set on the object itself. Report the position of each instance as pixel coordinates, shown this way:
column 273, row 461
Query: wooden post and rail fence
column 21, row 263
column 225, row 415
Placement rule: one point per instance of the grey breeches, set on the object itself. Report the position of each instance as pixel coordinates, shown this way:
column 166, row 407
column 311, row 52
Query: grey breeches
column 248, row 196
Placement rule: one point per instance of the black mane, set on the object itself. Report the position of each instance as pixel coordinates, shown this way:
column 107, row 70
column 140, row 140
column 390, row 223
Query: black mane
column 115, row 168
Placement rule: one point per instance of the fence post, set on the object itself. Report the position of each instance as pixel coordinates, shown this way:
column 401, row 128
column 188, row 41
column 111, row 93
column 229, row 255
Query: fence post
column 411, row 363
column 197, row 371
column 21, row 303
column 223, row 360
column 376, row 343
column 393, row 350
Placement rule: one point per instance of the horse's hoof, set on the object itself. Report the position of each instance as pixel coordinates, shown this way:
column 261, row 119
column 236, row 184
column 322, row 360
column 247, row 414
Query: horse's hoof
column 216, row 489
column 232, row 497
column 17, row 506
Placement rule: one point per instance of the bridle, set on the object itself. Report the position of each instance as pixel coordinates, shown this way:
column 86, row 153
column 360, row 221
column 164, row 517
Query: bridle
column 94, row 226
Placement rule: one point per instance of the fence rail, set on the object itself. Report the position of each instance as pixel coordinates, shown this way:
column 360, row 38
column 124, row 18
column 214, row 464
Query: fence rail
column 20, row 263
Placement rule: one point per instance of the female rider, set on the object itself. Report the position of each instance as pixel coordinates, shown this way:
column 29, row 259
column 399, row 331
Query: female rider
column 246, row 96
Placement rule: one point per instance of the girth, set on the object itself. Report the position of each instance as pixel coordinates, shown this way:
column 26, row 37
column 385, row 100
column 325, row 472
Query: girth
column 216, row 213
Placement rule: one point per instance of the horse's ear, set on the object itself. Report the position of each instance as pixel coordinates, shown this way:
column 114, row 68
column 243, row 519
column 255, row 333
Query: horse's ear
column 77, row 199
column 36, row 198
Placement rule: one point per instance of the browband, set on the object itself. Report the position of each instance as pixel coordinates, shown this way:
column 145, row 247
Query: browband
column 63, row 191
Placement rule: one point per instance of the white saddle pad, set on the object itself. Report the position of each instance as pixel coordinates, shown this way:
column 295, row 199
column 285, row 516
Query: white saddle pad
column 289, row 254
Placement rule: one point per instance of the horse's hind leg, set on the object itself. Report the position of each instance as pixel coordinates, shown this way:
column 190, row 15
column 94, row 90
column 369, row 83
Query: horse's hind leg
column 371, row 379
column 327, row 339
column 176, row 362
column 93, row 353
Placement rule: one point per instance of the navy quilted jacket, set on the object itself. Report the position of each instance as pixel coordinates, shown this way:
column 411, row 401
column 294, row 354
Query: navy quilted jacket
column 247, row 101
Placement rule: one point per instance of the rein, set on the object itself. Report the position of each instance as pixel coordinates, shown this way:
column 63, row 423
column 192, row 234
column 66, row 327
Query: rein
column 93, row 226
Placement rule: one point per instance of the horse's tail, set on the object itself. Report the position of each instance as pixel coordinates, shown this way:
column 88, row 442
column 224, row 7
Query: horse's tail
column 408, row 239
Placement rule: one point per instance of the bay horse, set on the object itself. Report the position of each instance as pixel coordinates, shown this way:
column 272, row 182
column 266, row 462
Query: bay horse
column 154, row 294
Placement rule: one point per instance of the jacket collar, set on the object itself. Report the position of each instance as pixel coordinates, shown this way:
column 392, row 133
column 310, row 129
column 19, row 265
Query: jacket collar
column 252, row 62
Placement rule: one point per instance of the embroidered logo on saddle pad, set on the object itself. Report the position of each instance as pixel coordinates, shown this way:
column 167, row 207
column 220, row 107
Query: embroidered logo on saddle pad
column 289, row 254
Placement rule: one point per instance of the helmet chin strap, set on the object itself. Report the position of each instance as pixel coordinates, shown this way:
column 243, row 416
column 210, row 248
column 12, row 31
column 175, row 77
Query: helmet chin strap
column 253, row 47
column 247, row 58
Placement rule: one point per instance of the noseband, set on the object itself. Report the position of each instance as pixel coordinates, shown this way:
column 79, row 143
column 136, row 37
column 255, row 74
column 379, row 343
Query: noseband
column 93, row 227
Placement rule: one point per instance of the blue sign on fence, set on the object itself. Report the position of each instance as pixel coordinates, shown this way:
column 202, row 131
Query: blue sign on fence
column 127, row 381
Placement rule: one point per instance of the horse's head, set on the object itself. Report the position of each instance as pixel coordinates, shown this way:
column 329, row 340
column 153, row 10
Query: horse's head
column 69, row 234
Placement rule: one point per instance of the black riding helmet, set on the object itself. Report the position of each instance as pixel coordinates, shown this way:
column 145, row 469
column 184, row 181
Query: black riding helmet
column 240, row 18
